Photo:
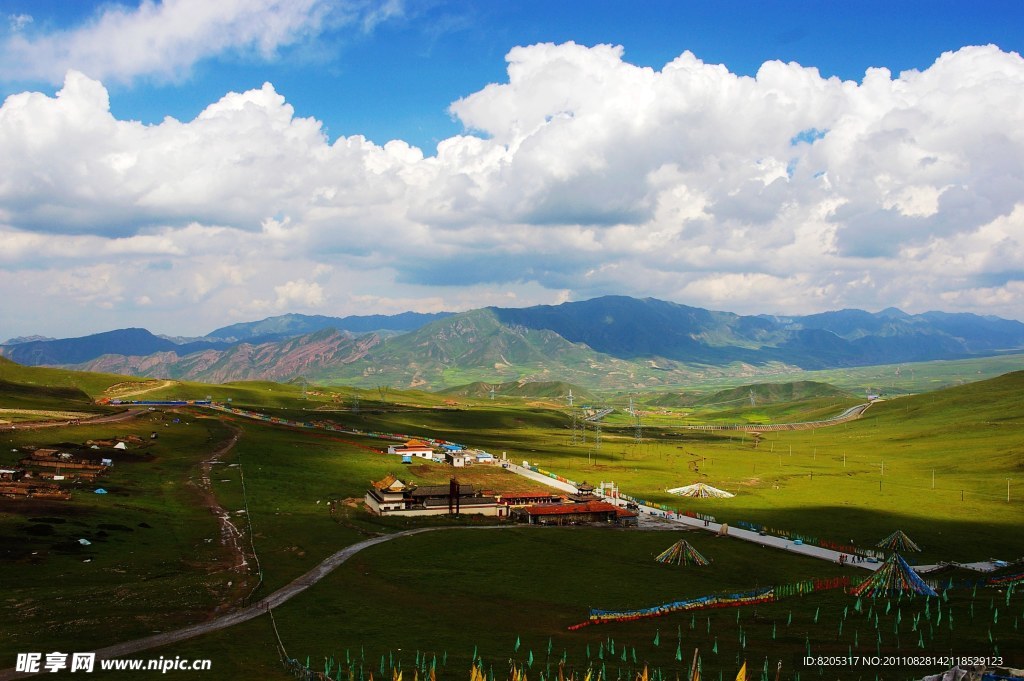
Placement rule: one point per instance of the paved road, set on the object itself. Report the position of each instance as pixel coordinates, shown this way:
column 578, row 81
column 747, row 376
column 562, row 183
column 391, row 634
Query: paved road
column 697, row 523
column 850, row 414
column 256, row 609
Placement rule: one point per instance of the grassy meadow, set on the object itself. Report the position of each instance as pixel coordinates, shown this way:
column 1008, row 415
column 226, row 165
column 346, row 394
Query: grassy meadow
column 156, row 561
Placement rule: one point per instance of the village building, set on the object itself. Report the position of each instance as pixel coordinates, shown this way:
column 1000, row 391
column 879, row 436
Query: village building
column 386, row 495
column 50, row 462
column 411, row 448
column 584, row 493
column 11, row 474
column 517, row 499
column 30, row 489
column 578, row 513
column 456, row 459
column 391, row 496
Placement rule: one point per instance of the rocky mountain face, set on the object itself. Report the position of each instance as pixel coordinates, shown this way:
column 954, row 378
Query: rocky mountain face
column 612, row 342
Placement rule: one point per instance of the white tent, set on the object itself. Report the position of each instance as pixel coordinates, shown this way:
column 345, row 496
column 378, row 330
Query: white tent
column 701, row 491
column 120, row 445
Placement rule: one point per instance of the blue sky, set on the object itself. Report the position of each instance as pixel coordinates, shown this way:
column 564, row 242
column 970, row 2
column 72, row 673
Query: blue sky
column 587, row 148
column 396, row 80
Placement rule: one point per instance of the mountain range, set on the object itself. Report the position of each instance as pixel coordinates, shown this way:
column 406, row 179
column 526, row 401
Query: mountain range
column 609, row 342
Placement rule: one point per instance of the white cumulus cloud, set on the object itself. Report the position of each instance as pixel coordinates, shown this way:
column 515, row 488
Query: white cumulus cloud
column 582, row 174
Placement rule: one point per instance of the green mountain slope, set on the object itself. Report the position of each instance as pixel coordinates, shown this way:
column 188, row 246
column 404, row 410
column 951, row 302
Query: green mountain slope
column 476, row 347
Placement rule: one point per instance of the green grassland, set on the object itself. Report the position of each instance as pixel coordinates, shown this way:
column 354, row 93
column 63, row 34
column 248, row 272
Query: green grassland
column 90, row 383
column 30, row 397
column 453, row 593
column 154, row 558
column 451, row 590
column 889, row 379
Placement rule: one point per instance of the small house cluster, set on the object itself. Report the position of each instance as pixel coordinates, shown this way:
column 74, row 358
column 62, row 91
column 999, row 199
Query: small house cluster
column 57, row 464
column 453, row 454
column 40, row 470
column 16, row 483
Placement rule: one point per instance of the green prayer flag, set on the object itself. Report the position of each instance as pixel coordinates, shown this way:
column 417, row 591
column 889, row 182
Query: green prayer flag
column 657, row 638
column 816, row 612
column 529, row 660
column 514, row 648
column 679, row 652
column 714, row 648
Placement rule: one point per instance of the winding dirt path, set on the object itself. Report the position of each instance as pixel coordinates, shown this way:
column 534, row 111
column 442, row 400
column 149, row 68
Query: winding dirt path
column 261, row 607
column 230, row 534
column 131, row 393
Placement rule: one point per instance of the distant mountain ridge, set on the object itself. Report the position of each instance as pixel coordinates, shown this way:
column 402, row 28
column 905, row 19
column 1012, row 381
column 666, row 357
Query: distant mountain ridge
column 611, row 342
column 630, row 328
column 273, row 360
column 134, row 342
column 289, row 325
column 119, row 342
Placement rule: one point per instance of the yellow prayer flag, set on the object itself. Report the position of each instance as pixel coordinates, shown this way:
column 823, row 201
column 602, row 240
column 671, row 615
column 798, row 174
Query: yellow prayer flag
column 741, row 675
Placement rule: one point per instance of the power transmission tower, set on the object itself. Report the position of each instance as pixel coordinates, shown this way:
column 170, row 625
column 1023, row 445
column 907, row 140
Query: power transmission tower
column 355, row 403
column 570, row 398
column 492, row 392
column 751, row 397
column 382, row 390
column 638, row 431
column 575, row 427
column 597, row 436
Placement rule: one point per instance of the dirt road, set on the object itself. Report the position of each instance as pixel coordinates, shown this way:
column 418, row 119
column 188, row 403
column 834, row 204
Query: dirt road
column 255, row 610
column 104, row 418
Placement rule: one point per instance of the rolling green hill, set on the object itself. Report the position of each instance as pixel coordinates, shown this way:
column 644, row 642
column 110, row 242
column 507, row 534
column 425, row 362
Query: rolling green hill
column 551, row 390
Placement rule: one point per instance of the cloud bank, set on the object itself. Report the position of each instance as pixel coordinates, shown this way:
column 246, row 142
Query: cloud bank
column 582, row 174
